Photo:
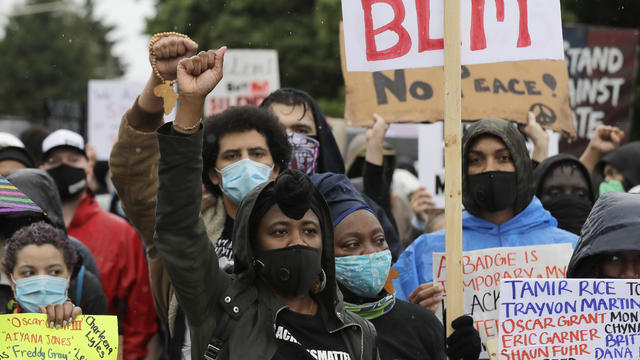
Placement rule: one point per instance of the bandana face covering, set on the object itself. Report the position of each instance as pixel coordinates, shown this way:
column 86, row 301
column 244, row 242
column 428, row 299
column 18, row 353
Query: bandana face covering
column 304, row 153
column 364, row 275
column 290, row 271
column 70, row 180
column 242, row 176
column 40, row 290
column 611, row 185
column 494, row 190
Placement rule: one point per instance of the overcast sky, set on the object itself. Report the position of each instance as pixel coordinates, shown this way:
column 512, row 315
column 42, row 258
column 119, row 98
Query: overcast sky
column 128, row 18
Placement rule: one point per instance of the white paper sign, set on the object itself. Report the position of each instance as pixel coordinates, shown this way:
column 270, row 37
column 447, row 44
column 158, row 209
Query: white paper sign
column 403, row 34
column 569, row 319
column 108, row 100
column 484, row 269
column 249, row 76
column 431, row 158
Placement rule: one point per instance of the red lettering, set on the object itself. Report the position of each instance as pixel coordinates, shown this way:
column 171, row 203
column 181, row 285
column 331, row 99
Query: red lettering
column 425, row 42
column 524, row 39
column 478, row 38
column 403, row 45
column 441, row 266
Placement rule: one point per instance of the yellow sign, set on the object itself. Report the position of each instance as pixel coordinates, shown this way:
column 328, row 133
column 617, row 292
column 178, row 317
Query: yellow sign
column 89, row 337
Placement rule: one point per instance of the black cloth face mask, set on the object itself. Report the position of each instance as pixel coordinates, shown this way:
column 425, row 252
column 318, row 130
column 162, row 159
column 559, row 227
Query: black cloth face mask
column 291, row 271
column 494, row 190
column 571, row 211
column 70, row 180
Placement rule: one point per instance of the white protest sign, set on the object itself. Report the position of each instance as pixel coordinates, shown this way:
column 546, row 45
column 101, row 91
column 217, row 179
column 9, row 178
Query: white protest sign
column 108, row 100
column 403, row 34
column 431, row 158
column 482, row 271
column 569, row 319
column 249, row 76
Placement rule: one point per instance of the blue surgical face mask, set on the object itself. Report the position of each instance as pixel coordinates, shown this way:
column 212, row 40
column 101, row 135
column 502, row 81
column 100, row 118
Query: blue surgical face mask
column 364, row 275
column 40, row 290
column 242, row 176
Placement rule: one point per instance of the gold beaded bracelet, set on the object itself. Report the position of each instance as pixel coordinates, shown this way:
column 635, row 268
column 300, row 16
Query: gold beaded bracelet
column 164, row 90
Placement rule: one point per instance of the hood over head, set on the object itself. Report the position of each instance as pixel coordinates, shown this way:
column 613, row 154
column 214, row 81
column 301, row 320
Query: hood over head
column 17, row 209
column 329, row 158
column 626, row 160
column 294, row 193
column 549, row 164
column 515, row 142
column 612, row 226
column 40, row 187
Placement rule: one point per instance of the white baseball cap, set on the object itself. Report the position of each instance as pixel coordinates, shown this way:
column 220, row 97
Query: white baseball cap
column 7, row 139
column 62, row 138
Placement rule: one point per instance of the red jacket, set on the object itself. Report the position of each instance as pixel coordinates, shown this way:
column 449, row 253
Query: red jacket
column 117, row 249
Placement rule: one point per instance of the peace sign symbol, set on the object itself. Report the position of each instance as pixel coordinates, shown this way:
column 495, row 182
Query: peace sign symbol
column 544, row 114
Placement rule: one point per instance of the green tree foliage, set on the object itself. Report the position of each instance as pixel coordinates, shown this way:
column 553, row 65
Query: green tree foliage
column 52, row 55
column 305, row 34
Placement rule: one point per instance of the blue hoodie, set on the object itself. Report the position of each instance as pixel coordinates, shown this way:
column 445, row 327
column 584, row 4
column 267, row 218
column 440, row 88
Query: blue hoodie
column 532, row 226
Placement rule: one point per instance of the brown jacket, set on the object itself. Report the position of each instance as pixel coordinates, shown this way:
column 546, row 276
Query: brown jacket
column 134, row 173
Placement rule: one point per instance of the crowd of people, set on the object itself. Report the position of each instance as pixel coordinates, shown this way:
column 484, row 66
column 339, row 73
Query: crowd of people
column 248, row 234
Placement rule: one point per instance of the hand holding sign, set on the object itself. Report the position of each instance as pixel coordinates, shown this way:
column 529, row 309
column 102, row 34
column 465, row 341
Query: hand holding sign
column 428, row 295
column 59, row 315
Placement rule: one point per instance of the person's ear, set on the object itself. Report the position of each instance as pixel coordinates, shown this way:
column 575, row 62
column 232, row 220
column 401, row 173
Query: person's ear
column 214, row 177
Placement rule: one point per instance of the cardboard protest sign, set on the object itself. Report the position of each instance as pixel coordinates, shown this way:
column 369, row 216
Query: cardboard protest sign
column 404, row 34
column 249, row 75
column 504, row 90
column 482, row 271
column 108, row 101
column 569, row 319
column 431, row 157
column 26, row 336
column 602, row 67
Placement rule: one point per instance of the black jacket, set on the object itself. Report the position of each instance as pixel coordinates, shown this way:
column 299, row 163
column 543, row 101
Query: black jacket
column 612, row 226
column 207, row 293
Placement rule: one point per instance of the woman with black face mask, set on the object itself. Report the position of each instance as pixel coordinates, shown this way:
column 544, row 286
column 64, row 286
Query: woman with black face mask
column 282, row 301
column 563, row 185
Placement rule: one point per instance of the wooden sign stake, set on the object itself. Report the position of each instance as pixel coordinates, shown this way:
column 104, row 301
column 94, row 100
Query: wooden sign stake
column 453, row 160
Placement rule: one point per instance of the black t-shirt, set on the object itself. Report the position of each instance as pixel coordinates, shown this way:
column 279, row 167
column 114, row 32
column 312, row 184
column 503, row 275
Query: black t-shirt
column 409, row 332
column 305, row 337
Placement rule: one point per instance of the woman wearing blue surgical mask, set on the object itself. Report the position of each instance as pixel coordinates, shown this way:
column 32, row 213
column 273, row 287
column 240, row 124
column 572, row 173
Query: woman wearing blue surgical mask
column 363, row 262
column 38, row 260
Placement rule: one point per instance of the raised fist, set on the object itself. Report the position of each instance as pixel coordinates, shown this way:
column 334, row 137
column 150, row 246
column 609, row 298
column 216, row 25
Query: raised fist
column 199, row 74
column 169, row 51
column 606, row 139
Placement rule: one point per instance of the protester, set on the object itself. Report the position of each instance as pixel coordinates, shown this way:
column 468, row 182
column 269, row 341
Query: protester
column 563, row 185
column 85, row 287
column 300, row 114
column 38, row 260
column 113, row 242
column 620, row 169
column 501, row 209
column 609, row 246
column 236, row 142
column 13, row 155
column 363, row 261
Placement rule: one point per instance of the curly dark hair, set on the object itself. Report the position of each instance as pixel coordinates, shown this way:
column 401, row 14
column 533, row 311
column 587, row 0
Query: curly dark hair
column 38, row 233
column 239, row 119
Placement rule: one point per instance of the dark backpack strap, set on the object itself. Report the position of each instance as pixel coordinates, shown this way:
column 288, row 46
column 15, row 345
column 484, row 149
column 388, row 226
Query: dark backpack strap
column 79, row 284
column 219, row 338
